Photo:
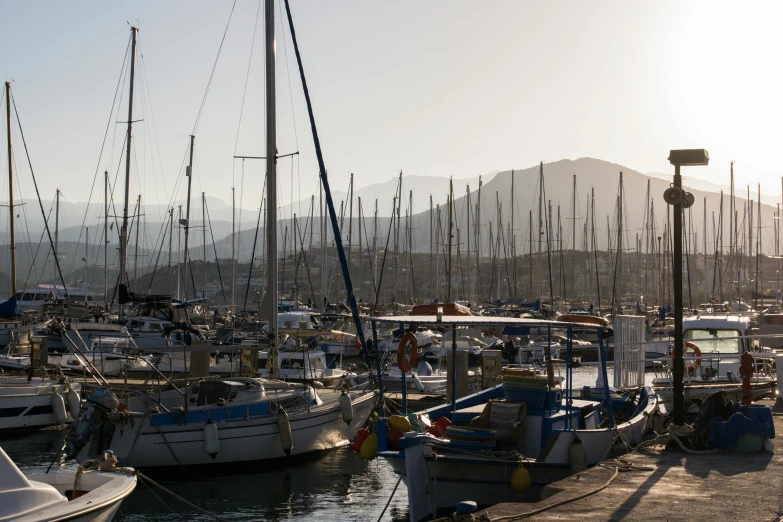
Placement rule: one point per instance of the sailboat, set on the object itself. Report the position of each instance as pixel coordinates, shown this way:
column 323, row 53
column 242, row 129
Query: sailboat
column 11, row 328
column 237, row 419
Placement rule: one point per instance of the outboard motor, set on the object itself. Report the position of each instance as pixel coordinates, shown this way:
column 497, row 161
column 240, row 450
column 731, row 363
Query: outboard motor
column 510, row 350
column 92, row 422
column 424, row 369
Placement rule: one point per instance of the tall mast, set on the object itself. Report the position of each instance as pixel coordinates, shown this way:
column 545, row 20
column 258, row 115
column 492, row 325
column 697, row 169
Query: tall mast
column 106, row 239
column 359, row 227
column 271, row 172
column 322, row 304
column 410, row 244
column 573, row 241
column 136, row 248
column 478, row 239
column 451, row 204
column 124, row 230
column 467, row 234
column 56, row 228
column 189, row 174
column 233, row 247
column 204, row 234
column 732, row 224
column 171, row 241
column 513, row 236
column 374, row 245
column 758, row 241
column 350, row 220
column 397, row 239
column 179, row 246
column 530, row 259
column 86, row 261
column 432, row 258
column 10, row 187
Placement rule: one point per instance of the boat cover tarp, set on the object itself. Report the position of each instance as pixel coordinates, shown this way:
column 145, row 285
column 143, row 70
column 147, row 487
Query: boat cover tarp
column 9, row 308
column 755, row 419
column 516, row 301
column 516, row 330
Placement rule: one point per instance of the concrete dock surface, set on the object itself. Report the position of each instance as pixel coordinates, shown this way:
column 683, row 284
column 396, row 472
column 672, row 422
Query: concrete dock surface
column 680, row 486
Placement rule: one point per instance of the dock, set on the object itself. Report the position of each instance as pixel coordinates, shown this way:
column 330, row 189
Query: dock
column 673, row 485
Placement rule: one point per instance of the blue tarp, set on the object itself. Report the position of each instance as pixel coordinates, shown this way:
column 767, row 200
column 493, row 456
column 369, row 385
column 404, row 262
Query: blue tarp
column 517, row 301
column 9, row 308
column 755, row 419
column 516, row 330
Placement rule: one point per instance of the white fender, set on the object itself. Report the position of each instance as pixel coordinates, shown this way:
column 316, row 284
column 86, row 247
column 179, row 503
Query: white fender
column 346, row 407
column 211, row 439
column 417, row 382
column 74, row 403
column 58, row 406
column 284, row 427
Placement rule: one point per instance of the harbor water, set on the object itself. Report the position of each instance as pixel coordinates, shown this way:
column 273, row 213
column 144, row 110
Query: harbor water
column 332, row 485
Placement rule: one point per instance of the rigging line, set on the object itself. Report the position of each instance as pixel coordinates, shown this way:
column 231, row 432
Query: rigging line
column 105, row 134
column 217, row 261
column 255, row 242
column 32, row 264
column 253, row 253
column 383, row 261
column 212, row 74
column 288, row 74
column 40, row 204
column 247, row 78
column 146, row 92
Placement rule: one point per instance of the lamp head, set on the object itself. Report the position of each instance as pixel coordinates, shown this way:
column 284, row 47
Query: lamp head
column 689, row 157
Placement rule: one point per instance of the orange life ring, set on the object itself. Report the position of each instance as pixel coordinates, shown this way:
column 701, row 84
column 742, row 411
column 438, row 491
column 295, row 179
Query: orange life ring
column 696, row 352
column 407, row 364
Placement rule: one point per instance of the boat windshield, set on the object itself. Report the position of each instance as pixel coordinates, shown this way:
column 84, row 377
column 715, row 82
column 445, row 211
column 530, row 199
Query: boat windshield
column 719, row 341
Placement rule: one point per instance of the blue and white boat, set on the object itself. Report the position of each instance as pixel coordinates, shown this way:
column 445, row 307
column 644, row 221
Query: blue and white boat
column 529, row 421
column 228, row 421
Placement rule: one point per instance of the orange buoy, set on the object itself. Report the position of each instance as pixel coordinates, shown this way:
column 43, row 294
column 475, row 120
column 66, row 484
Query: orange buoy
column 443, row 423
column 361, row 435
column 393, row 436
column 406, row 364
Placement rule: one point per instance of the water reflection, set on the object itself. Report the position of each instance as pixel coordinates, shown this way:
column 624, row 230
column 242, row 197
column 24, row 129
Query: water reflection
column 331, row 485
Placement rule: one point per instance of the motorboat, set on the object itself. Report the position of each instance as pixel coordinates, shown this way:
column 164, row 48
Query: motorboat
column 37, row 402
column 714, row 345
column 82, row 495
column 107, row 355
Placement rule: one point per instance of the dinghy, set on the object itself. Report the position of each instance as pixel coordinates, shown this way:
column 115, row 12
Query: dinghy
column 83, row 495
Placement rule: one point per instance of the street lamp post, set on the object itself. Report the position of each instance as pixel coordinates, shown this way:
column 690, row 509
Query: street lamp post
column 679, row 199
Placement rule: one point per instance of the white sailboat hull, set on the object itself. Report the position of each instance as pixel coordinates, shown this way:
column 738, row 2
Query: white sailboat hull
column 241, row 440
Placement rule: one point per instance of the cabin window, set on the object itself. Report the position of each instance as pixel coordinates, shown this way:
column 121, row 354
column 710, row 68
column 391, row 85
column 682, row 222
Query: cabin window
column 317, row 364
column 715, row 341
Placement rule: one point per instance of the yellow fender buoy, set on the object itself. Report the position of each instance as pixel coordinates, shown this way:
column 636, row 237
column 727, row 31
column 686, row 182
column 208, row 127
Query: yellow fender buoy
column 398, row 421
column 369, row 447
column 520, row 480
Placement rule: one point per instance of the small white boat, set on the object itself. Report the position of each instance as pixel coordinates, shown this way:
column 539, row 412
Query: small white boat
column 37, row 403
column 108, row 355
column 93, row 496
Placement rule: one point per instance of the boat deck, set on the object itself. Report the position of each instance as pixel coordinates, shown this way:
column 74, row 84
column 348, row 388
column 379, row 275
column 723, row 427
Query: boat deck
column 725, row 486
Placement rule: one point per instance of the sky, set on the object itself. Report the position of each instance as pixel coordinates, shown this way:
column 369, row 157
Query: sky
column 446, row 88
